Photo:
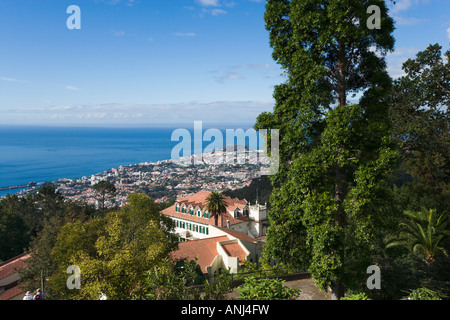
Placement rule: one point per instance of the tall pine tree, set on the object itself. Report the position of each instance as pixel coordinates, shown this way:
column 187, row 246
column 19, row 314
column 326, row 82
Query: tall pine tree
column 334, row 155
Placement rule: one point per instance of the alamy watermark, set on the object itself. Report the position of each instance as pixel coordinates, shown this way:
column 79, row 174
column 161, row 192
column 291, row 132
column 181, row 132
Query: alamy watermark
column 374, row 21
column 374, row 281
column 74, row 20
column 231, row 150
column 74, row 281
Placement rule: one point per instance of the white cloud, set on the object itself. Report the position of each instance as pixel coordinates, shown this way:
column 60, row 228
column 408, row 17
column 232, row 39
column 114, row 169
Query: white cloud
column 229, row 76
column 208, row 3
column 404, row 5
column 448, row 33
column 72, row 88
column 210, row 112
column 396, row 59
column 128, row 3
column 402, row 21
column 216, row 12
column 187, row 34
column 254, row 66
column 9, row 79
column 229, row 73
column 401, row 6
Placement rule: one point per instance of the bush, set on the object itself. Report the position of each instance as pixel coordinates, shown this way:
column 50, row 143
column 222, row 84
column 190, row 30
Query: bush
column 424, row 294
column 356, row 296
column 266, row 289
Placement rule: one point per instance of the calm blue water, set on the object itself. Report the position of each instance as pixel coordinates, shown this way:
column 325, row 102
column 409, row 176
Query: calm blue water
column 43, row 154
column 48, row 153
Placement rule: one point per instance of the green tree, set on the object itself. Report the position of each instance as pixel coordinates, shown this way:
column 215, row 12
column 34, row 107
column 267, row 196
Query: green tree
column 419, row 111
column 40, row 264
column 21, row 218
column 424, row 232
column 216, row 206
column 12, row 234
column 115, row 252
column 335, row 156
column 104, row 189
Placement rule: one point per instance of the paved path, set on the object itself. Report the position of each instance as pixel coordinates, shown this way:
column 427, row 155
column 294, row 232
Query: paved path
column 309, row 291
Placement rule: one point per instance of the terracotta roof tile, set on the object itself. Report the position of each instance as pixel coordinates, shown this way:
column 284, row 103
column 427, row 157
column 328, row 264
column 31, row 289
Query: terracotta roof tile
column 11, row 293
column 238, row 235
column 235, row 250
column 205, row 250
column 199, row 199
column 9, row 267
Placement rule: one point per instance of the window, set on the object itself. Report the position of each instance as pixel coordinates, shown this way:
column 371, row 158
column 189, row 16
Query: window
column 207, row 230
column 236, row 213
column 199, row 213
column 206, row 215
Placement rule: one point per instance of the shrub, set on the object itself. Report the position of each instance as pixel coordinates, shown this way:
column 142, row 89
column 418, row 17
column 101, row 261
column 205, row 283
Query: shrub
column 266, row 289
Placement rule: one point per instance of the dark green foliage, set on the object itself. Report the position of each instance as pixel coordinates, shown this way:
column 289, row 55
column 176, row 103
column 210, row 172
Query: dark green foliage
column 104, row 189
column 21, row 219
column 335, row 157
column 176, row 280
column 419, row 111
column 259, row 189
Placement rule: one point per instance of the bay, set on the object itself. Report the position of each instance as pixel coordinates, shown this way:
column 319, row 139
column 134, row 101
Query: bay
column 44, row 154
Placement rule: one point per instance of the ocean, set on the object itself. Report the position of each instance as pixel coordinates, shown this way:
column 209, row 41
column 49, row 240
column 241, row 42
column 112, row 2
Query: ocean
column 42, row 154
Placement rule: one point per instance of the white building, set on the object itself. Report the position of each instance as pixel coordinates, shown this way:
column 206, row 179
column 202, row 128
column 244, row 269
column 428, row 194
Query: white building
column 238, row 236
column 193, row 221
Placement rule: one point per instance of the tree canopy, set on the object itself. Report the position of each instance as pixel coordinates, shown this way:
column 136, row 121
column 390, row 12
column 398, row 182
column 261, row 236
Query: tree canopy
column 335, row 151
column 115, row 252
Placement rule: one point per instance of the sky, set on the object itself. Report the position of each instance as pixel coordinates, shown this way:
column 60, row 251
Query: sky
column 148, row 62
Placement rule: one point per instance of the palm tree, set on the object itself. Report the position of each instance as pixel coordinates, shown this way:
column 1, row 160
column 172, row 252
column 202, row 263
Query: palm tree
column 423, row 233
column 216, row 205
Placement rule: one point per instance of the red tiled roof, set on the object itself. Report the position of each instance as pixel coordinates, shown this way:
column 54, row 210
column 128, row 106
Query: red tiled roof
column 205, row 250
column 11, row 293
column 234, row 250
column 238, row 235
column 199, row 199
column 9, row 267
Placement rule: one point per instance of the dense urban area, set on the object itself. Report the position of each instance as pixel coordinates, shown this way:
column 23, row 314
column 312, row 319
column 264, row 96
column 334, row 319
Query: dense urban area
column 165, row 180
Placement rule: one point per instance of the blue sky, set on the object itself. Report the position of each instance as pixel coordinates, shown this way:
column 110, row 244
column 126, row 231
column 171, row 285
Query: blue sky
column 153, row 61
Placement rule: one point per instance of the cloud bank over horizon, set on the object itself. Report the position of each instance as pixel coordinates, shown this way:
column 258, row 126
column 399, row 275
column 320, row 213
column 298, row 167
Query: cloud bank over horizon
column 225, row 112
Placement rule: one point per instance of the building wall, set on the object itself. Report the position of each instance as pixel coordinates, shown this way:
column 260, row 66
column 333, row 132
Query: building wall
column 195, row 229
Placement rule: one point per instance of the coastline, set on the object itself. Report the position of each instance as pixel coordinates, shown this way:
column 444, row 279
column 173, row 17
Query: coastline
column 166, row 179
